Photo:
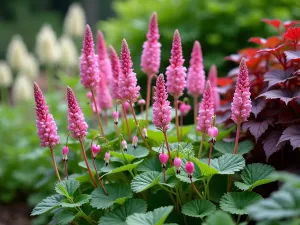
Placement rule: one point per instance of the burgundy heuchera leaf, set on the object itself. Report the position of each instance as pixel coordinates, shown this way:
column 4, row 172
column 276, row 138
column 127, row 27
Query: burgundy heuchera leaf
column 292, row 134
column 278, row 76
column 292, row 55
column 257, row 128
column 284, row 95
column 270, row 143
column 257, row 106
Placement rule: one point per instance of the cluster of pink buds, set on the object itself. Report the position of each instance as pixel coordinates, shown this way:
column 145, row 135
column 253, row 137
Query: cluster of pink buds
column 106, row 158
column 124, row 145
column 145, row 133
column 163, row 158
column 177, row 164
column 134, row 141
column 95, row 150
column 189, row 167
column 65, row 152
column 116, row 117
column 184, row 109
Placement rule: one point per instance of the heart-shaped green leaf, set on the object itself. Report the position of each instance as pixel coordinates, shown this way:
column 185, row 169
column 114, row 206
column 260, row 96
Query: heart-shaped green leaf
column 198, row 208
column 145, row 181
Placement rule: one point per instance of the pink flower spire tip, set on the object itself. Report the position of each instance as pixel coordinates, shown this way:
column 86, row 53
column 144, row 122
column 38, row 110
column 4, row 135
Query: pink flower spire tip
column 103, row 60
column 115, row 68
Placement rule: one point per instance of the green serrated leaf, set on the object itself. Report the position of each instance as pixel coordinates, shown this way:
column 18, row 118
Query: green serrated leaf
column 127, row 167
column 131, row 154
column 284, row 203
column 198, row 208
column 236, row 202
column 67, row 187
column 77, row 201
column 150, row 164
column 227, row 147
column 205, row 169
column 156, row 217
column 46, row 205
column 290, row 178
column 219, row 218
column 119, row 214
column 228, row 163
column 171, row 180
column 117, row 193
column 145, row 181
column 254, row 175
column 63, row 217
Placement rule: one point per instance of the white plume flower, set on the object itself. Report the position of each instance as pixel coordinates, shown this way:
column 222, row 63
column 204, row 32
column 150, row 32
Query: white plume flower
column 31, row 66
column 22, row 90
column 75, row 21
column 15, row 52
column 5, row 74
column 47, row 47
column 68, row 53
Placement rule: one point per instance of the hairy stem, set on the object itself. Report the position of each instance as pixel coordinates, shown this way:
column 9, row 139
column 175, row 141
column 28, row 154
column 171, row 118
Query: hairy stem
column 99, row 178
column 126, row 121
column 176, row 117
column 168, row 147
column 54, row 164
column 201, row 144
column 148, row 97
column 236, row 145
column 97, row 113
column 87, row 163
column 66, row 169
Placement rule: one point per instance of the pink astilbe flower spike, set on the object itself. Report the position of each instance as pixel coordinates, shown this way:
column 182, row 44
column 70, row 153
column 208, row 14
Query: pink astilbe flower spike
column 176, row 72
column 213, row 78
column 161, row 106
column 103, row 96
column 115, row 68
column 103, row 60
column 196, row 74
column 46, row 126
column 150, row 61
column 77, row 125
column 241, row 104
column 128, row 88
column 89, row 71
column 206, row 110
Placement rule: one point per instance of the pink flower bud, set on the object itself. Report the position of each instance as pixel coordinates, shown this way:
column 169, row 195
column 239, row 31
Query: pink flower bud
column 126, row 107
column 213, row 132
column 163, row 158
column 177, row 164
column 65, row 152
column 189, row 167
column 95, row 150
column 106, row 158
column 184, row 109
column 89, row 95
column 141, row 102
column 134, row 141
column 116, row 117
column 124, row 145
column 145, row 133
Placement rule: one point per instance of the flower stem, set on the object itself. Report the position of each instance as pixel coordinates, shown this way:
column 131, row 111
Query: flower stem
column 66, row 169
column 99, row 178
column 201, row 144
column 148, row 97
column 87, row 163
column 210, row 152
column 236, row 145
column 138, row 126
column 126, row 121
column 54, row 164
column 176, row 117
column 195, row 99
column 97, row 113
column 181, row 124
column 194, row 187
column 164, row 173
column 168, row 147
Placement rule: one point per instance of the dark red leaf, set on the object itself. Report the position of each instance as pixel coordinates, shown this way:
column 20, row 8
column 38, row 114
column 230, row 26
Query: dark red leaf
column 248, row 52
column 284, row 95
column 278, row 76
column 292, row 34
column 274, row 51
column 222, row 118
column 224, row 81
column 257, row 106
column 258, row 40
column 273, row 42
column 290, row 23
column 270, row 143
column 274, row 23
column 257, row 128
column 292, row 56
column 292, row 134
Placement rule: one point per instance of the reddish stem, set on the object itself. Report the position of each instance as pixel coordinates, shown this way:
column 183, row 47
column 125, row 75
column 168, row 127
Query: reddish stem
column 54, row 164
column 236, row 145
column 97, row 113
column 210, row 152
column 99, row 178
column 181, row 124
column 148, row 96
column 126, row 121
column 168, row 147
column 176, row 117
column 194, row 187
column 195, row 98
column 201, row 144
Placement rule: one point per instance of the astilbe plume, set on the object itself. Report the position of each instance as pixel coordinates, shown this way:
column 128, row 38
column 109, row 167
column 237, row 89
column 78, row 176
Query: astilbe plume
column 89, row 71
column 241, row 104
column 77, row 125
column 206, row 110
column 103, row 60
column 161, row 106
column 46, row 126
column 103, row 96
column 128, row 88
column 115, row 68
column 176, row 72
column 213, row 78
column 150, row 60
column 196, row 74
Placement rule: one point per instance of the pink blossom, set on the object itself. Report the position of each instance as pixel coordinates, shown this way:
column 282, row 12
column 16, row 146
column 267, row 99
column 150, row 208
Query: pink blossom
column 163, row 158
column 89, row 95
column 134, row 141
column 141, row 102
column 213, row 78
column 89, row 71
column 115, row 116
column 46, row 126
column 189, row 167
column 145, row 133
column 206, row 110
column 196, row 74
column 103, row 60
column 150, row 61
column 184, row 109
column 213, row 132
column 176, row 72
column 128, row 88
column 161, row 106
column 126, row 107
column 241, row 104
column 177, row 164
column 106, row 158
column 95, row 150
column 103, row 96
column 77, row 125
column 65, row 152
column 115, row 68
column 124, row 145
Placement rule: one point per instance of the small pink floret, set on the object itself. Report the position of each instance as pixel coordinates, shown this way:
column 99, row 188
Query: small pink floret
column 116, row 117
column 65, row 150
column 163, row 158
column 95, row 150
column 189, row 167
column 134, row 141
column 184, row 109
column 141, row 102
column 124, row 145
column 177, row 163
column 213, row 132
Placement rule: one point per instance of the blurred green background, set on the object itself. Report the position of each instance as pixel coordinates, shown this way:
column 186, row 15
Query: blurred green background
column 222, row 27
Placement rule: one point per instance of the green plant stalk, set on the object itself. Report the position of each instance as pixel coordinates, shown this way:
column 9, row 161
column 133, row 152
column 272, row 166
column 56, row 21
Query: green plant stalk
column 66, row 169
column 99, row 178
column 195, row 189
column 201, row 144
column 148, row 97
column 54, row 164
column 236, row 145
column 176, row 117
column 126, row 121
column 238, row 219
column 168, row 147
column 97, row 112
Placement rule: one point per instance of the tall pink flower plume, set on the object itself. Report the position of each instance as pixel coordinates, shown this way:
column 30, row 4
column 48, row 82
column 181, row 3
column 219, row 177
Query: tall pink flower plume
column 128, row 88
column 213, row 78
column 77, row 125
column 103, row 96
column 206, row 110
column 104, row 63
column 241, row 104
column 176, row 72
column 46, row 126
column 115, row 68
column 89, row 71
column 196, row 74
column 150, row 61
column 161, row 106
